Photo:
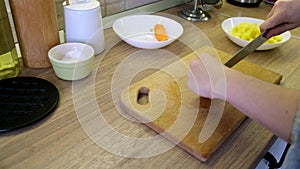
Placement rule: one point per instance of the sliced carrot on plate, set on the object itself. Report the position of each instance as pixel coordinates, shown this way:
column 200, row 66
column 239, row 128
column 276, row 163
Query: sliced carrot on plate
column 160, row 32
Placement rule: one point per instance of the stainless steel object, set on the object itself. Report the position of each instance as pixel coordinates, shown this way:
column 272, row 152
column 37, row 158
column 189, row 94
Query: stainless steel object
column 197, row 13
column 245, row 3
column 252, row 46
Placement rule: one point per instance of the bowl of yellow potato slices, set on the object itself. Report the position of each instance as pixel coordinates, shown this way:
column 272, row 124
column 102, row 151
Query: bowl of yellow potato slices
column 242, row 30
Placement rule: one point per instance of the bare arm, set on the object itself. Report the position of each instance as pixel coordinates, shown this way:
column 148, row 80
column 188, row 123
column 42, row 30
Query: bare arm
column 272, row 106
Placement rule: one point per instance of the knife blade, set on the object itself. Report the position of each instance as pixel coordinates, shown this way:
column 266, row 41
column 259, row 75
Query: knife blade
column 245, row 51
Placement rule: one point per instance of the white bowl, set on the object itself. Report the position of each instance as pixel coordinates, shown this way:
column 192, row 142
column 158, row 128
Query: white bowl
column 229, row 23
column 72, row 61
column 137, row 30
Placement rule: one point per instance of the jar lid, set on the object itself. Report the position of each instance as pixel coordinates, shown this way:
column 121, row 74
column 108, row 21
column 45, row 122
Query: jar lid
column 82, row 4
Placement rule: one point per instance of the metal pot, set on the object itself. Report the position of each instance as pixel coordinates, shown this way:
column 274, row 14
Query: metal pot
column 245, row 3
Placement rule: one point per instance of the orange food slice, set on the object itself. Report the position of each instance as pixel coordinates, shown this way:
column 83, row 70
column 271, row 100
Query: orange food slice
column 160, row 32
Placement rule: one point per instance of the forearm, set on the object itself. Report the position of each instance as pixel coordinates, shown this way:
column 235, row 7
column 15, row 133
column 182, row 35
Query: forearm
column 272, row 106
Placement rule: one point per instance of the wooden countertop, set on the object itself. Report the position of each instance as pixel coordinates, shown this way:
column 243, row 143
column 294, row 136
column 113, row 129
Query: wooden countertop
column 59, row 141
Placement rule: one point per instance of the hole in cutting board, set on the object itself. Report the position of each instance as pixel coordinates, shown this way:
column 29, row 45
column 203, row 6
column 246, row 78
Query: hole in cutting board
column 143, row 96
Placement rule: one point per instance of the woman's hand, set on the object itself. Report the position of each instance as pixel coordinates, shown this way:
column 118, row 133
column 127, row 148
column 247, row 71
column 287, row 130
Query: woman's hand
column 284, row 16
column 206, row 77
column 266, row 103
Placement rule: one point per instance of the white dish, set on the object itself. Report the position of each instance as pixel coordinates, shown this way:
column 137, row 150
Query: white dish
column 229, row 23
column 72, row 61
column 137, row 30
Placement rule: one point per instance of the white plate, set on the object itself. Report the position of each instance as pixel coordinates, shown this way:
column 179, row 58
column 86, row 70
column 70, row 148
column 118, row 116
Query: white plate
column 229, row 23
column 137, row 30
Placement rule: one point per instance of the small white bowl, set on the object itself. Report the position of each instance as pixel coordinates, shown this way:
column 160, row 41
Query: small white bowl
column 72, row 61
column 229, row 23
column 137, row 30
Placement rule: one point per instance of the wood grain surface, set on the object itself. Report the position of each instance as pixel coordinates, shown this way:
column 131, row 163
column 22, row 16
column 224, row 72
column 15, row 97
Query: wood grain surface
column 37, row 30
column 180, row 107
column 59, row 141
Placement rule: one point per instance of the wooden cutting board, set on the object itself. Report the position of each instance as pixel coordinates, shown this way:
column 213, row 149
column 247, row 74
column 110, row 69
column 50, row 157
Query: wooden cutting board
column 163, row 102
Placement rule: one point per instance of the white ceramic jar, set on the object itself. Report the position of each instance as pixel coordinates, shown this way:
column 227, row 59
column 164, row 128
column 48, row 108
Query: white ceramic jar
column 83, row 23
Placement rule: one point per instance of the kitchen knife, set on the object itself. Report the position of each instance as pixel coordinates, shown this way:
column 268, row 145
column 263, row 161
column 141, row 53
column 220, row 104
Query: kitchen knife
column 252, row 46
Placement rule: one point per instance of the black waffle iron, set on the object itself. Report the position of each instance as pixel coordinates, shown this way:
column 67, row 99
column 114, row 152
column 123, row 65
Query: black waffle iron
column 25, row 100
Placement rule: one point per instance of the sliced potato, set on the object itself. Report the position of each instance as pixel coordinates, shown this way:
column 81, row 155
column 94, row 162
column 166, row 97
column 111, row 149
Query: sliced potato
column 249, row 31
